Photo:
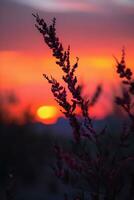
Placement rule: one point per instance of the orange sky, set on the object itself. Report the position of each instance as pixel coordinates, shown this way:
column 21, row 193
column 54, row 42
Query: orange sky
column 93, row 33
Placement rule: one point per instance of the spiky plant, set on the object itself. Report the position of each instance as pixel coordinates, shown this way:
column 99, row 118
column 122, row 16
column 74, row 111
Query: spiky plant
column 98, row 162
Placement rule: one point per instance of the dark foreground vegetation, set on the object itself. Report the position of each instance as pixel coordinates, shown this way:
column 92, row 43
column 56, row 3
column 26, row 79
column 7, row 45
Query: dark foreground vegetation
column 98, row 165
column 26, row 160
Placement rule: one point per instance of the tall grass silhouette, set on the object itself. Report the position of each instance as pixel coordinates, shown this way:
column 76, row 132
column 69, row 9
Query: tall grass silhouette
column 100, row 164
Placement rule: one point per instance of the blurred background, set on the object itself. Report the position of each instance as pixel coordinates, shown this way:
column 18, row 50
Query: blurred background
column 30, row 120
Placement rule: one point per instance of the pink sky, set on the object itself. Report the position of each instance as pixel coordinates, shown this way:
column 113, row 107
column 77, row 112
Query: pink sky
column 95, row 31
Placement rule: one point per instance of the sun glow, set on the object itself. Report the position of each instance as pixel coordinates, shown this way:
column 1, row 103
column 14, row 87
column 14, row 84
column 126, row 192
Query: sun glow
column 47, row 114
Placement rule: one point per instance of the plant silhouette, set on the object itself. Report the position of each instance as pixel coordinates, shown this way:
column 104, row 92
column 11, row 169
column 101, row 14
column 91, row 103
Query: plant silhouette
column 99, row 164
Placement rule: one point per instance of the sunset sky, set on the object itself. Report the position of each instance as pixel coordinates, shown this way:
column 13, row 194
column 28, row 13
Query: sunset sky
column 95, row 29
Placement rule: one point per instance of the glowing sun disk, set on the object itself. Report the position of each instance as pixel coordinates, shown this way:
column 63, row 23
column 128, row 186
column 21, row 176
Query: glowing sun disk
column 47, row 112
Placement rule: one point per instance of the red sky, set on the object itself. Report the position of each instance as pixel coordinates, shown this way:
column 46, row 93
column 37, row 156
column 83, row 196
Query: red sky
column 95, row 30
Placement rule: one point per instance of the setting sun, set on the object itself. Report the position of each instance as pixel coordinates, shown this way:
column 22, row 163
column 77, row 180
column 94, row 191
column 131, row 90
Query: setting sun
column 47, row 113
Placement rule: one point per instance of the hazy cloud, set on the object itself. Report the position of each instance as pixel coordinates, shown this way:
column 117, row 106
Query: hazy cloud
column 60, row 6
column 113, row 25
column 80, row 6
